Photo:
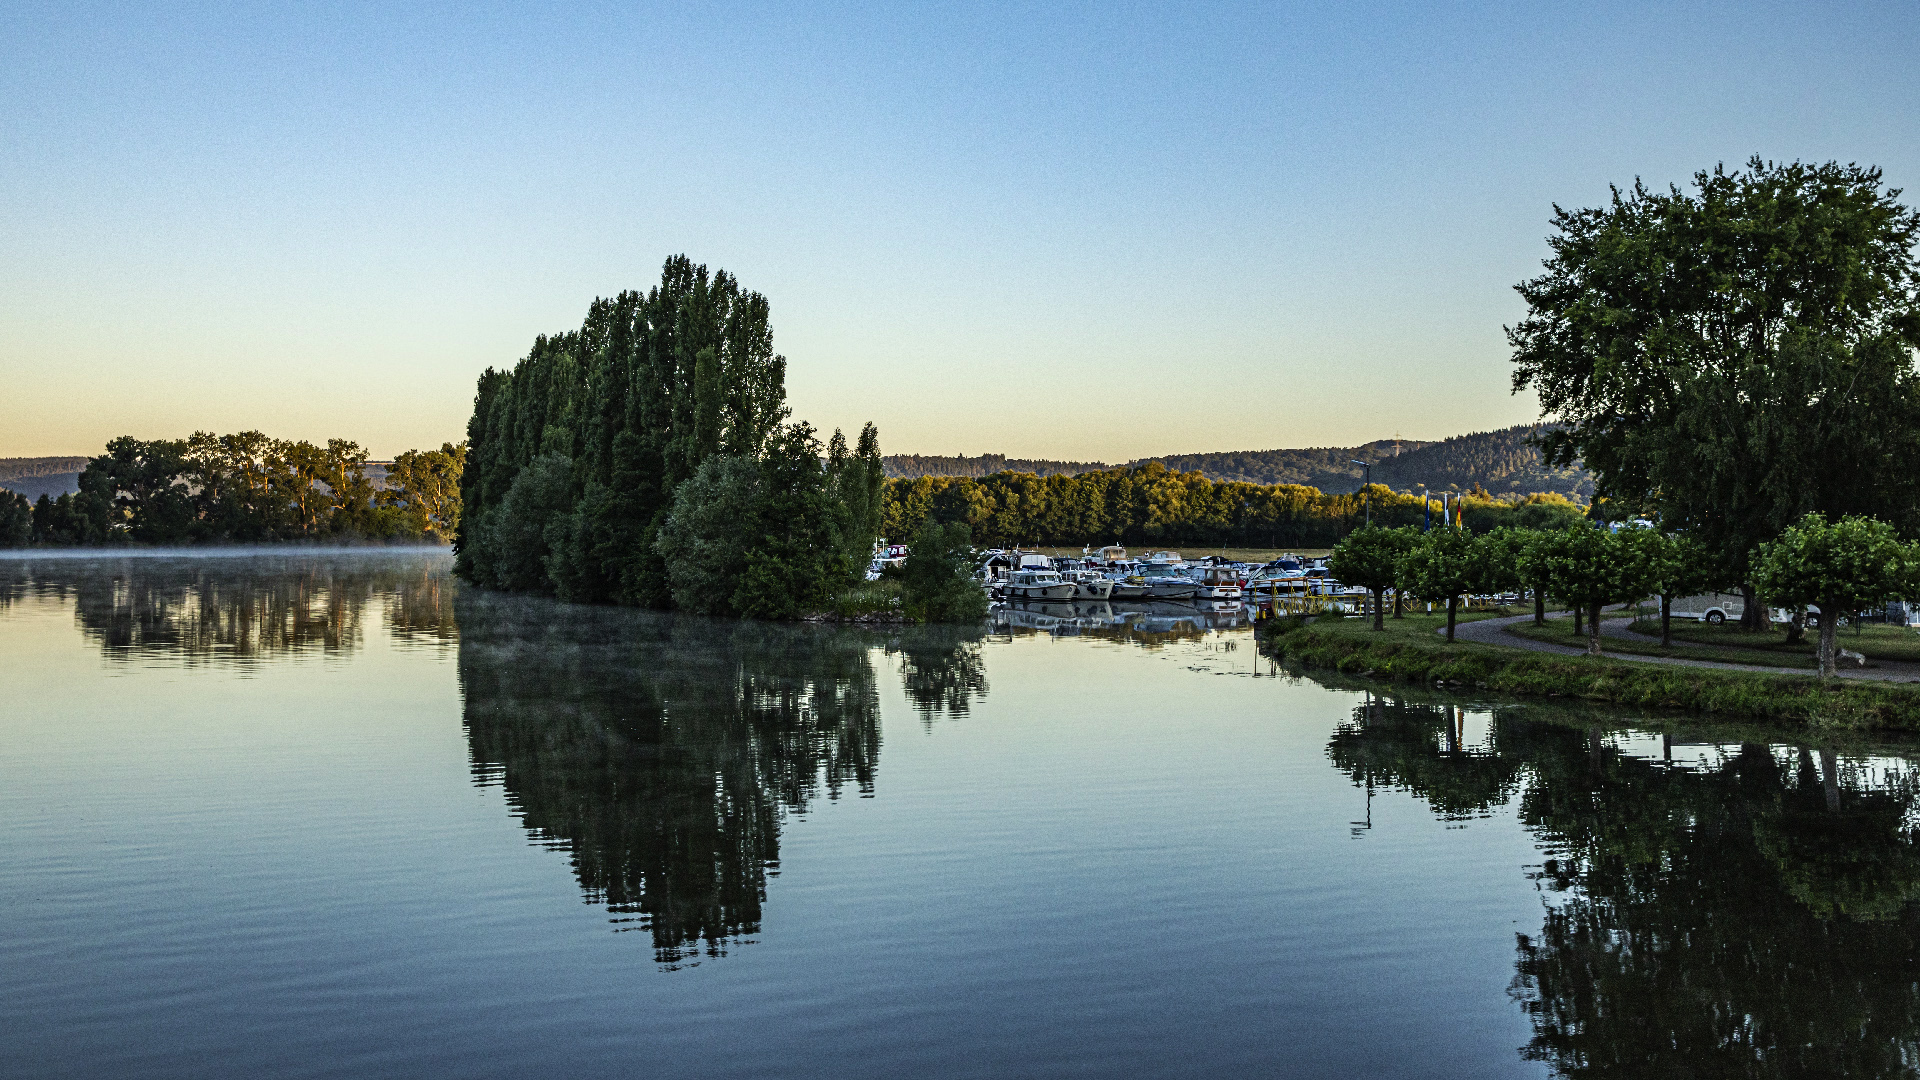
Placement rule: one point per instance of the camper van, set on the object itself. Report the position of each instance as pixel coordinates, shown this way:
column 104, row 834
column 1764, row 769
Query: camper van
column 1713, row 607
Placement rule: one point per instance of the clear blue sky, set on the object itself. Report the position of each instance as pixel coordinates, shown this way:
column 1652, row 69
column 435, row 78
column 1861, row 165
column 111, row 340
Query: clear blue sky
column 1099, row 231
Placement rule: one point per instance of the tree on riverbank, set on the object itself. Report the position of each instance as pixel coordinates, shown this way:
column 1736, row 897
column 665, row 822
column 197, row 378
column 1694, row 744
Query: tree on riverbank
column 249, row 488
column 581, row 477
column 1730, row 358
column 1842, row 567
column 1370, row 558
column 1442, row 565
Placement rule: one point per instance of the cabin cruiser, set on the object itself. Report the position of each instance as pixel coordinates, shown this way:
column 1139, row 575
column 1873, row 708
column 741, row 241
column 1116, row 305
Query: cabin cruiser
column 1164, row 581
column 1216, row 583
column 1037, row 585
column 1089, row 585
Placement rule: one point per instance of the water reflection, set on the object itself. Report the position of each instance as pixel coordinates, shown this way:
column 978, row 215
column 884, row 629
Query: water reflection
column 1734, row 909
column 1147, row 623
column 242, row 609
column 662, row 752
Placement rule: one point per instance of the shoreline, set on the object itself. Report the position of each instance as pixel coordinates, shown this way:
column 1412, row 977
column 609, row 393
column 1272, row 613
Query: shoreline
column 1787, row 696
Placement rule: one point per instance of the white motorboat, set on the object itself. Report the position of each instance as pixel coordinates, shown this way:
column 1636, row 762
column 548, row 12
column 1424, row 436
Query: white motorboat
column 1037, row 585
column 1164, row 581
column 1089, row 584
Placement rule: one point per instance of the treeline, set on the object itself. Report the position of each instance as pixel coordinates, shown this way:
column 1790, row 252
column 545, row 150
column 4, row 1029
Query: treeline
column 1504, row 462
column 242, row 488
column 913, row 466
column 1151, row 504
column 646, row 458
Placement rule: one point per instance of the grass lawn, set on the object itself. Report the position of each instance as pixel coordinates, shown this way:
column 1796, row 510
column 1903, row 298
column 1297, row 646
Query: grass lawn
column 1560, row 632
column 1874, row 641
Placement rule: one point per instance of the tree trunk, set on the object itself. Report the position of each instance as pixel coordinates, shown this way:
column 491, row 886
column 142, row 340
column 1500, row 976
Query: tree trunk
column 1830, row 779
column 1379, row 610
column 1666, row 622
column 1797, row 626
column 1829, row 629
column 1579, row 630
column 1396, row 605
column 1453, row 605
column 1539, row 607
column 1593, row 630
column 1751, row 616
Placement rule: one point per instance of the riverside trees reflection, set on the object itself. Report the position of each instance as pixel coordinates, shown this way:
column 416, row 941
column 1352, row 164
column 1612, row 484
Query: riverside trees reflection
column 1750, row 914
column 663, row 752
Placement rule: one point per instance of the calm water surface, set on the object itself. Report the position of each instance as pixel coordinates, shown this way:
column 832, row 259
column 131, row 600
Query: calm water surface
column 308, row 814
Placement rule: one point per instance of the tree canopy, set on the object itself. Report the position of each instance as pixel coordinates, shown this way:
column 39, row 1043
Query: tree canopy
column 1729, row 358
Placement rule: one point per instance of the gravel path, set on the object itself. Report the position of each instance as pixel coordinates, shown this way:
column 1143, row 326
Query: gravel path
column 1494, row 632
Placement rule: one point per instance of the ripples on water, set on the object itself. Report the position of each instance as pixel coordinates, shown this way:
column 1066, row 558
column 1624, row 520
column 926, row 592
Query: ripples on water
column 258, row 807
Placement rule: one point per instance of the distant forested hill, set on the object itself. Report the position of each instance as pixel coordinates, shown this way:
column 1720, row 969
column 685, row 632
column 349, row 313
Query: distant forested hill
column 36, row 476
column 914, row 466
column 1500, row 462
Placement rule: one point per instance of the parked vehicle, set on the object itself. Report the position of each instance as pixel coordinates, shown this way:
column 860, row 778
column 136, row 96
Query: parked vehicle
column 1714, row 608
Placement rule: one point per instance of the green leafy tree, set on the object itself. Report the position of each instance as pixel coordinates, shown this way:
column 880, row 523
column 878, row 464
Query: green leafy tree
column 798, row 560
column 937, row 577
column 1730, row 358
column 1675, row 566
column 1843, row 567
column 1591, row 568
column 424, row 486
column 1370, row 558
column 1443, row 565
column 702, row 541
column 16, row 519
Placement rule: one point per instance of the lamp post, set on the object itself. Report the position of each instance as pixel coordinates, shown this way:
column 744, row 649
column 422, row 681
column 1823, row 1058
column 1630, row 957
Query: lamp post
column 1365, row 484
column 1426, row 510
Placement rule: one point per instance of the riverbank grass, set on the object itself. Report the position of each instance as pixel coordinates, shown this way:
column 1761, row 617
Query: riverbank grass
column 1412, row 653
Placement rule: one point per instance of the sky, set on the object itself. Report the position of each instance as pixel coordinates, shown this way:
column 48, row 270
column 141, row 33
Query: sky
column 1095, row 232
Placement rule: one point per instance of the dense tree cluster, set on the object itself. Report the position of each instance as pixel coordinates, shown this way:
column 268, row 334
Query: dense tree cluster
column 240, row 488
column 1731, row 358
column 1151, row 504
column 646, row 458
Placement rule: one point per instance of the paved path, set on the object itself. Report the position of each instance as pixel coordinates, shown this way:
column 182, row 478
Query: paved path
column 1494, row 632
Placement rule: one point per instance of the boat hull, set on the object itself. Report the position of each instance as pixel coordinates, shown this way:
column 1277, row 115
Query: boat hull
column 1093, row 590
column 1062, row 591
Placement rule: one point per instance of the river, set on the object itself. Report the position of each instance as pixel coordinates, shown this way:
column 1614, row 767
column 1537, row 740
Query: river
column 290, row 814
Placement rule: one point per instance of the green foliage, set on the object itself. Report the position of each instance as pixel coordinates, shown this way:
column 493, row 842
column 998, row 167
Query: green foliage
column 16, row 520
column 246, row 487
column 1843, row 567
column 1370, row 558
column 937, row 577
column 702, row 540
column 1730, row 358
column 1149, row 504
column 423, row 490
column 1441, row 565
column 637, row 401
column 1848, row 565
column 1783, row 698
column 1589, row 567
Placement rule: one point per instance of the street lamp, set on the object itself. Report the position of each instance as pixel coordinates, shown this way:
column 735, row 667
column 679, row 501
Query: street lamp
column 1426, row 509
column 1365, row 484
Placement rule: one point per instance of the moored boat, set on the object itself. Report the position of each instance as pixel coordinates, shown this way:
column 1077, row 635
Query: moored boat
column 1037, row 585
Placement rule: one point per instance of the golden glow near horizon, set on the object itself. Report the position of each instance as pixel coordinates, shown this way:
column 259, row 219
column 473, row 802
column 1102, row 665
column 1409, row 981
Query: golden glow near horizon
column 1091, row 236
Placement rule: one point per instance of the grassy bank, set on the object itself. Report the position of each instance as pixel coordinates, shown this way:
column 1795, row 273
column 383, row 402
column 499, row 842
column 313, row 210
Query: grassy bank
column 1410, row 652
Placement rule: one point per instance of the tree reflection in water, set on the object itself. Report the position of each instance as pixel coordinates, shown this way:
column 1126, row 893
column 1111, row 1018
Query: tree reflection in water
column 242, row 609
column 1753, row 916
column 662, row 752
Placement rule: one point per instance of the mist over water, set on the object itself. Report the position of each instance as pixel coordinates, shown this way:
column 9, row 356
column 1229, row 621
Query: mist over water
column 325, row 813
